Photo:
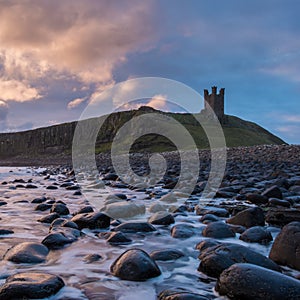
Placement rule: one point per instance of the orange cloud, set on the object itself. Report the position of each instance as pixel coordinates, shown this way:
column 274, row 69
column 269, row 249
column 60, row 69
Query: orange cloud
column 81, row 39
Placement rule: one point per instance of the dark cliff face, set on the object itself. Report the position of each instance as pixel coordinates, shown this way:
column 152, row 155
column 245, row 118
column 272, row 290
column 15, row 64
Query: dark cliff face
column 48, row 140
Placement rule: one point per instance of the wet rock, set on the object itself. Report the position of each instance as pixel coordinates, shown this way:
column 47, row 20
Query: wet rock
column 218, row 230
column 208, row 218
column 30, row 286
column 247, row 281
column 59, row 208
column 118, row 238
column 43, row 207
column 123, row 209
column 39, row 200
column 135, row 265
column 57, row 240
column 161, row 218
column 111, row 176
column 182, row 231
column 95, row 220
column 180, row 294
column 249, row 217
column 51, row 187
column 208, row 243
column 91, row 258
column 167, row 254
column 31, row 186
column 256, row 234
column 219, row 212
column 6, row 231
column 282, row 216
column 214, row 260
column 273, row 192
column 134, row 227
column 83, row 210
column 278, row 202
column 49, row 218
column 27, row 252
column 286, row 247
column 3, row 203
column 256, row 198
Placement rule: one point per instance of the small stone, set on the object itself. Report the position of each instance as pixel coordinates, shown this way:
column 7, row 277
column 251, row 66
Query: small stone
column 182, row 231
column 273, row 192
column 161, row 218
column 167, row 254
column 49, row 218
column 59, row 208
column 94, row 220
column 134, row 227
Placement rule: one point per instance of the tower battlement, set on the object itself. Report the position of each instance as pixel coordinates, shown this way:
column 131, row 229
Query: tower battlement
column 216, row 102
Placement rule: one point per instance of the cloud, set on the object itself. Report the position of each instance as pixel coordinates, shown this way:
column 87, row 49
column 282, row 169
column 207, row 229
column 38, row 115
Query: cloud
column 158, row 102
column 3, row 111
column 291, row 131
column 13, row 90
column 81, row 39
column 291, row 118
column 74, row 103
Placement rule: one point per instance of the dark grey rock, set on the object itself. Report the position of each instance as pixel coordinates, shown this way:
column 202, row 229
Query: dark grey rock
column 256, row 234
column 282, row 216
column 6, row 231
column 135, row 265
column 248, row 282
column 218, row 230
column 286, row 247
column 94, row 220
column 208, row 218
column 30, row 286
column 220, row 212
column 161, row 218
column 273, row 192
column 182, row 231
column 256, row 198
column 249, row 217
column 180, row 294
column 279, row 202
column 167, row 254
column 59, row 208
column 118, row 238
column 49, row 218
column 214, row 260
column 134, row 227
column 27, row 252
column 83, row 210
column 43, row 206
column 91, row 258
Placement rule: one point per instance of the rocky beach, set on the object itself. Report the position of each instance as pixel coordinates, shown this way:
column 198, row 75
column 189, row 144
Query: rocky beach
column 155, row 242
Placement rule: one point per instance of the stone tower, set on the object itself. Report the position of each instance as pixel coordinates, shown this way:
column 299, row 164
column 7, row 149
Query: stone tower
column 216, row 102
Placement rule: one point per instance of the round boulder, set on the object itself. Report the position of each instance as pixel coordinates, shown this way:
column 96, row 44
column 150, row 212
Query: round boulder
column 214, row 260
column 249, row 217
column 30, row 286
column 247, row 282
column 161, row 218
column 256, row 234
column 286, row 247
column 135, row 265
column 218, row 230
column 27, row 252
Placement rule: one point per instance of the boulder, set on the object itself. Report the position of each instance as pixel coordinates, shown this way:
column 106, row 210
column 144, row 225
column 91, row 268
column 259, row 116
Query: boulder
column 161, row 218
column 180, row 294
column 218, row 230
column 256, row 234
column 30, row 286
column 27, row 252
column 247, row 281
column 123, row 209
column 217, row 211
column 253, row 216
column 182, row 231
column 256, row 198
column 93, row 220
column 135, row 265
column 214, row 260
column 59, row 208
column 134, row 227
column 273, row 192
column 282, row 216
column 286, row 247
column 166, row 254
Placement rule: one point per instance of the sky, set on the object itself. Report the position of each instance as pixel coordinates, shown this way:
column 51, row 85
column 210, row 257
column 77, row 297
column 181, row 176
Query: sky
column 57, row 56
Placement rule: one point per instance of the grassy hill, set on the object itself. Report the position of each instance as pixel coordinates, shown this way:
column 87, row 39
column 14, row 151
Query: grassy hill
column 57, row 140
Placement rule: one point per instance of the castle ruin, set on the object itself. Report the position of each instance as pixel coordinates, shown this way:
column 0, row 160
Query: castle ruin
column 216, row 103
